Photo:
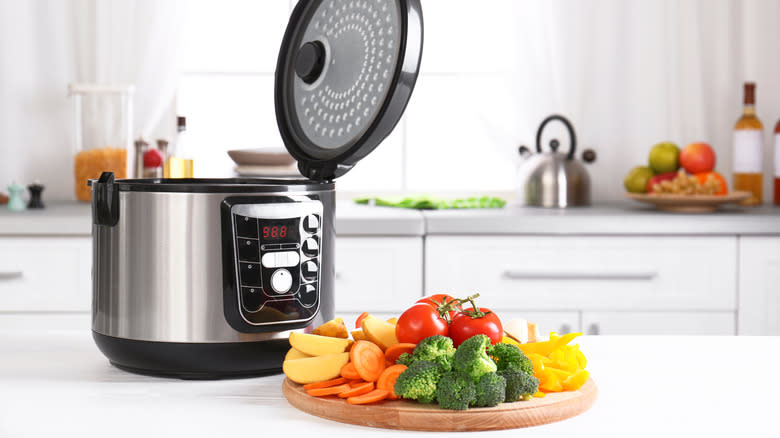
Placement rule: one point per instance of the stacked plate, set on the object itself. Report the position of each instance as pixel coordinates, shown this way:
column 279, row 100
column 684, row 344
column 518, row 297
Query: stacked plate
column 270, row 162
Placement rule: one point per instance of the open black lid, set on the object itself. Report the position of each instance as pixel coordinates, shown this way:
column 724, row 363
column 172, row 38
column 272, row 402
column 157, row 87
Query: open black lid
column 345, row 73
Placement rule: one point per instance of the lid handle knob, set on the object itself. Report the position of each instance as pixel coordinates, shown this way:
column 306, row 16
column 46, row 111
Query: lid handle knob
column 309, row 61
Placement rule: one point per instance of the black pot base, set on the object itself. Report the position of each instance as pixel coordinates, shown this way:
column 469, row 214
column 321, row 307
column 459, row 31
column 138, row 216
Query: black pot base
column 194, row 361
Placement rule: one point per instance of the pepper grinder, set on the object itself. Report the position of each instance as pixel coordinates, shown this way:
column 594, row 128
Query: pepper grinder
column 15, row 201
column 36, row 188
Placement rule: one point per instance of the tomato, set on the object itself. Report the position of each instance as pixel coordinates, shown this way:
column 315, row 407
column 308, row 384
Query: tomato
column 440, row 299
column 418, row 322
column 464, row 326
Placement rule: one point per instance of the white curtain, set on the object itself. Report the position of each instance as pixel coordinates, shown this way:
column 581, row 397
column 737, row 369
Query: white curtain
column 132, row 42
column 47, row 44
column 631, row 73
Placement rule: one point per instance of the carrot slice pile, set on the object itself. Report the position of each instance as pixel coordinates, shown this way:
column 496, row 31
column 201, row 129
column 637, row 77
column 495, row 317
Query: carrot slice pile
column 358, row 389
column 368, row 359
column 388, row 377
column 369, row 397
column 325, row 383
column 330, row 390
column 393, row 351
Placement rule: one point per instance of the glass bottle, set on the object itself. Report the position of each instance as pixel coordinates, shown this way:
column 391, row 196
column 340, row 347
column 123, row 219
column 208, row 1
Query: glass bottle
column 180, row 163
column 777, row 163
column 102, row 133
column 748, row 149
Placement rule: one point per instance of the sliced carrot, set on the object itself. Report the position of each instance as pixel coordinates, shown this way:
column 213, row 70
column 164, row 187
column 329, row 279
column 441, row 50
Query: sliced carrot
column 354, row 383
column 369, row 397
column 387, row 379
column 330, row 390
column 393, row 351
column 348, row 371
column 325, row 383
column 358, row 390
column 369, row 360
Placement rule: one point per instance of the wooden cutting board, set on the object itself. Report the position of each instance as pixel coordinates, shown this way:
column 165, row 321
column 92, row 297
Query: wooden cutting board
column 409, row 415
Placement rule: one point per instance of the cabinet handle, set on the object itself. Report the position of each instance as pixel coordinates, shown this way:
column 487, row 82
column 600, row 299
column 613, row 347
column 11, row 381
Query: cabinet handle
column 530, row 274
column 565, row 328
column 10, row 275
column 594, row 329
column 337, row 275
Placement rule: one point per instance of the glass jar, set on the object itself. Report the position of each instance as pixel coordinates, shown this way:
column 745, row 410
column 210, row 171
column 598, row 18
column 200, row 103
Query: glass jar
column 102, row 133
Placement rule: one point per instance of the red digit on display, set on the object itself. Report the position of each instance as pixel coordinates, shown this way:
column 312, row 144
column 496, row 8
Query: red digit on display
column 265, row 232
column 283, row 232
column 275, row 232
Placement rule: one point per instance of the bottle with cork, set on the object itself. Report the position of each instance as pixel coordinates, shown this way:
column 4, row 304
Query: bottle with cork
column 748, row 149
column 180, row 163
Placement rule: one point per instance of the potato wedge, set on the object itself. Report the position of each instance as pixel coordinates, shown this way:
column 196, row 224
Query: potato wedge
column 358, row 335
column 316, row 345
column 380, row 332
column 293, row 354
column 315, row 369
column 334, row 328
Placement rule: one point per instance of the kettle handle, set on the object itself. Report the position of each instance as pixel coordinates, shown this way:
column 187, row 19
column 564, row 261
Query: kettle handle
column 554, row 143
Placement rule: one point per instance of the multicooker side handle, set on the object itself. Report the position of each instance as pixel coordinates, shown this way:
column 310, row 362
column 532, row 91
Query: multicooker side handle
column 105, row 201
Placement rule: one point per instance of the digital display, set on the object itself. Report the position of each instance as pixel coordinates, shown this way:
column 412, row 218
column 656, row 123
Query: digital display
column 279, row 230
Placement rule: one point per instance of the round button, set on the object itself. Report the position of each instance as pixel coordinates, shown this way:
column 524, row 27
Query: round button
column 281, row 281
column 309, row 270
column 311, row 223
column 311, row 247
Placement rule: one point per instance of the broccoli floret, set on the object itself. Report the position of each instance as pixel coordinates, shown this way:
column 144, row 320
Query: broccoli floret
column 490, row 390
column 404, row 359
column 419, row 381
column 519, row 385
column 471, row 357
column 456, row 391
column 437, row 349
column 510, row 358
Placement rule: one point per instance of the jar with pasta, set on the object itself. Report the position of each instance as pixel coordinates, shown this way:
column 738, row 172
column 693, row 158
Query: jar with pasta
column 102, row 133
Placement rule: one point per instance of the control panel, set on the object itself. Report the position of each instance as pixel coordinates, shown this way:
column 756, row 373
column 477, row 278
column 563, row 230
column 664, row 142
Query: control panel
column 275, row 260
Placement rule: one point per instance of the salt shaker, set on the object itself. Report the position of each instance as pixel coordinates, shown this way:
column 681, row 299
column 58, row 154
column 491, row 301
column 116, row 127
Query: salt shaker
column 15, row 201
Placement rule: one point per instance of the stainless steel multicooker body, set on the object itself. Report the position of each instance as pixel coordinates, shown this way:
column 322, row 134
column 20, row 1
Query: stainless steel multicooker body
column 204, row 278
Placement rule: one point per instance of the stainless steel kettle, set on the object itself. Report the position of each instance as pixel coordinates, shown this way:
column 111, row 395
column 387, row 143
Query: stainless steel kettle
column 554, row 179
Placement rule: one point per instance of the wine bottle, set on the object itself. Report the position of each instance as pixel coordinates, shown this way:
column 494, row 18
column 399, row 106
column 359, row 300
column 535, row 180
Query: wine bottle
column 777, row 163
column 748, row 149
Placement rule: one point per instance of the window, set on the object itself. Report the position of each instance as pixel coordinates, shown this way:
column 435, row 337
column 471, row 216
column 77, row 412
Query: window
column 439, row 146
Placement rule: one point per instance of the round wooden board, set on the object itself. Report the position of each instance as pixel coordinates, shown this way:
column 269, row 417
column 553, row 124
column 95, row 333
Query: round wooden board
column 688, row 203
column 409, row 415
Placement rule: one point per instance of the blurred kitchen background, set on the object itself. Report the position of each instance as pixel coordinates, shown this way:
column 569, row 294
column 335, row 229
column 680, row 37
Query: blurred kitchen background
column 627, row 73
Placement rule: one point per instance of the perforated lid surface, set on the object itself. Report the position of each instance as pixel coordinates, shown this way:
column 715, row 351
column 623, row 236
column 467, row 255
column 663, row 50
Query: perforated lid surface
column 345, row 73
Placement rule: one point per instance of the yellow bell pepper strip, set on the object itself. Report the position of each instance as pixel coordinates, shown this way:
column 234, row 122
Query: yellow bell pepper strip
column 576, row 380
column 539, row 394
column 545, row 348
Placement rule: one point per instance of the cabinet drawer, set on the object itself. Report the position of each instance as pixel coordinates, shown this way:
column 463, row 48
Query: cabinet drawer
column 659, row 323
column 588, row 272
column 378, row 274
column 45, row 273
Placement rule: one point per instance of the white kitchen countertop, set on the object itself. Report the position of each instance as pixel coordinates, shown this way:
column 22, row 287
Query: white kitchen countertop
column 56, row 383
column 74, row 218
column 619, row 218
column 622, row 218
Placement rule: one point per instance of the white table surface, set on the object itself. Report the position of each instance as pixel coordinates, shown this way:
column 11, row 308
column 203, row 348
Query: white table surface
column 56, row 383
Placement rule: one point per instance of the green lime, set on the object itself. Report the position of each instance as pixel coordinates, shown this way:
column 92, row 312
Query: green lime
column 664, row 157
column 637, row 178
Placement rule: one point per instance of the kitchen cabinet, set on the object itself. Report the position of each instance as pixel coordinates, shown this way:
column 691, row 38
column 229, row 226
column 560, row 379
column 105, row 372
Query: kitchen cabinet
column 45, row 274
column 759, row 285
column 659, row 323
column 381, row 275
column 609, row 279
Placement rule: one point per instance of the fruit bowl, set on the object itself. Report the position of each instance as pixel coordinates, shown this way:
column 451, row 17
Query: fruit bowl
column 688, row 203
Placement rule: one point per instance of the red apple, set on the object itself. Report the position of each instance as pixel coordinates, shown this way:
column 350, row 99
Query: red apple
column 697, row 158
column 668, row 176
